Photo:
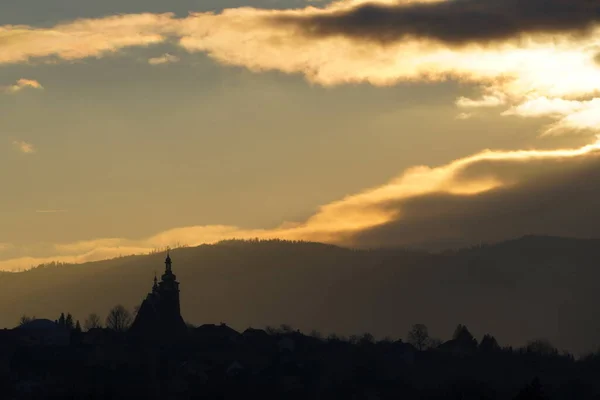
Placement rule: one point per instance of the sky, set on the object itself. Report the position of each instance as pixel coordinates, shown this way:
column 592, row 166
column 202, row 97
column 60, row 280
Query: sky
column 127, row 126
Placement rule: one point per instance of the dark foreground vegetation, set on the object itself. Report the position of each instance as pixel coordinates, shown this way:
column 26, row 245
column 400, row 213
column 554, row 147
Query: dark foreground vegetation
column 60, row 359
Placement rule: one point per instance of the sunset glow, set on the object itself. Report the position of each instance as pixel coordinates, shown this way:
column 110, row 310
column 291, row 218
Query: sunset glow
column 131, row 96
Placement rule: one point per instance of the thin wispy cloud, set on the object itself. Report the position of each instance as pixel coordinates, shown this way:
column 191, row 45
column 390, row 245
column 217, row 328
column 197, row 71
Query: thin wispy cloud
column 164, row 59
column 464, row 116
column 50, row 211
column 494, row 100
column 83, row 38
column 22, row 84
column 24, row 147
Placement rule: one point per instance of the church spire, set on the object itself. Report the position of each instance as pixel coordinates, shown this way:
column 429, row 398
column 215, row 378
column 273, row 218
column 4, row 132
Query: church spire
column 160, row 313
column 168, row 261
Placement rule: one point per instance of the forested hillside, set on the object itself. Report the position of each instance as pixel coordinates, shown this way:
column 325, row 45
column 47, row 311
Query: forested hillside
column 529, row 288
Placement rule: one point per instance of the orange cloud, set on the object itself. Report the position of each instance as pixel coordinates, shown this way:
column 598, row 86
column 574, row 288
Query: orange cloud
column 24, row 147
column 83, row 38
column 164, row 59
column 571, row 115
column 486, row 101
column 511, row 71
column 531, row 75
column 339, row 222
column 23, row 84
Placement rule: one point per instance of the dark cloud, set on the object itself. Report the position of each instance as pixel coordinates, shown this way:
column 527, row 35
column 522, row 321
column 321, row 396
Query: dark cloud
column 558, row 197
column 454, row 22
column 48, row 13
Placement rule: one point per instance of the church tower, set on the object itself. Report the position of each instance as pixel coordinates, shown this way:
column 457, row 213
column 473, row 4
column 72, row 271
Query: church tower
column 160, row 313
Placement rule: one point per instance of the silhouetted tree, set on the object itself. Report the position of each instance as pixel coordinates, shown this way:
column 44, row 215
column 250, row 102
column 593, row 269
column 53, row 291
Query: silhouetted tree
column 61, row 319
column 118, row 319
column 333, row 338
column 316, row 334
column 77, row 327
column 366, row 338
column 92, row 321
column 418, row 336
column 460, row 331
column 386, row 340
column 541, row 347
column 462, row 335
column 25, row 319
column 271, row 331
column 69, row 322
column 489, row 344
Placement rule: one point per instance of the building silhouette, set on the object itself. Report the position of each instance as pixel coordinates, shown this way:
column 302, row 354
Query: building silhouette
column 159, row 315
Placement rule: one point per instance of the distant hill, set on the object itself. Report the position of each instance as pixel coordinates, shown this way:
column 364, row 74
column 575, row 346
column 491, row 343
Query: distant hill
column 528, row 288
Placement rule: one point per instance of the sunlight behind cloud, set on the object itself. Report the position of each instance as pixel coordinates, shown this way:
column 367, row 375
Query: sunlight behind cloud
column 526, row 73
column 337, row 222
column 511, row 71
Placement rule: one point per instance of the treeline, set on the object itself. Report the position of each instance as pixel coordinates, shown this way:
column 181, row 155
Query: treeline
column 420, row 339
column 213, row 362
column 119, row 319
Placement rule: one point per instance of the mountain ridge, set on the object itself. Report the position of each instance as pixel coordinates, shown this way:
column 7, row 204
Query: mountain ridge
column 518, row 290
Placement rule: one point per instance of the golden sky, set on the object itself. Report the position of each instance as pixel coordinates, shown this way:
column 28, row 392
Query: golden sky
column 129, row 127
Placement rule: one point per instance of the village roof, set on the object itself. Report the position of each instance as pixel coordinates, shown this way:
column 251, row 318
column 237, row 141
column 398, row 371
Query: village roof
column 212, row 329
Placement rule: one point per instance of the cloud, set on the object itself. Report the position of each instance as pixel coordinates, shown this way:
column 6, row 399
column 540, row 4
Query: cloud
column 24, row 147
column 487, row 196
column 485, row 101
column 547, row 197
column 571, row 115
column 99, row 253
column 464, row 116
column 510, row 70
column 453, row 22
column 22, row 84
column 531, row 63
column 82, row 38
column 262, row 40
column 515, row 51
column 164, row 59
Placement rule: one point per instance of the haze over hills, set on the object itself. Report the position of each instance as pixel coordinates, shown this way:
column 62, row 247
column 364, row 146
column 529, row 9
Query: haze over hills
column 518, row 290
